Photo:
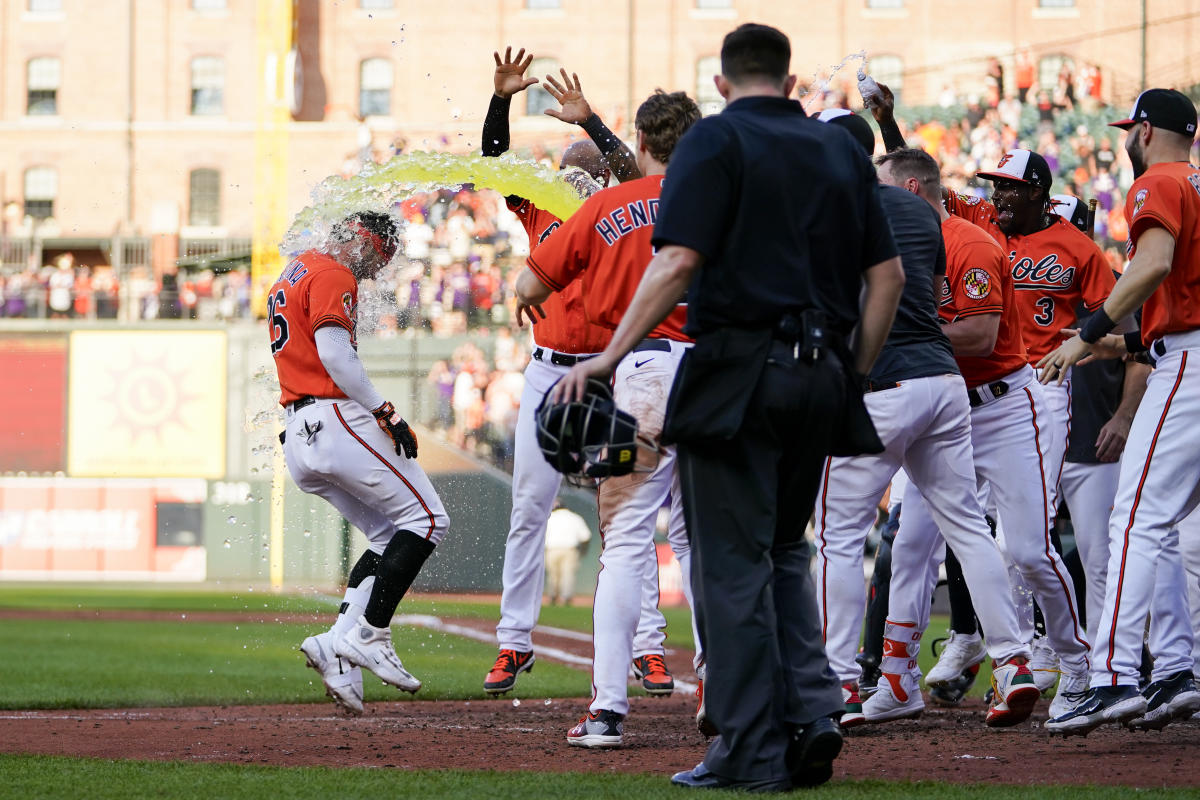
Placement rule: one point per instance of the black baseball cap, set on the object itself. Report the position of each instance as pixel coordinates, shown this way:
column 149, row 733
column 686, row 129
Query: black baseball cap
column 1023, row 166
column 858, row 127
column 1162, row 108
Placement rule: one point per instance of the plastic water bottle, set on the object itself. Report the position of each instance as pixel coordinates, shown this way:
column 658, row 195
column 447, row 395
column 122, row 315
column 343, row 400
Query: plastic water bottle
column 868, row 88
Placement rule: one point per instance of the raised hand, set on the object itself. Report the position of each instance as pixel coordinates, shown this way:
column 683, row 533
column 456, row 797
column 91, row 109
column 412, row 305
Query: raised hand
column 882, row 105
column 569, row 94
column 510, row 72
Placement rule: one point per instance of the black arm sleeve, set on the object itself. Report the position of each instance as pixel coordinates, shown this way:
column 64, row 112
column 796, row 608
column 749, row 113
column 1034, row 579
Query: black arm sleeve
column 892, row 140
column 620, row 160
column 495, row 126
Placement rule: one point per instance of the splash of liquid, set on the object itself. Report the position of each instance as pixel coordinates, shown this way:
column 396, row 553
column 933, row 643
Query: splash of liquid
column 379, row 187
column 818, row 85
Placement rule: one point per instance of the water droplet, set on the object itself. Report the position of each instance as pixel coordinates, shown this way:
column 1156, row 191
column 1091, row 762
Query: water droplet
column 547, row 701
column 516, row 702
column 307, row 534
column 227, row 544
column 231, row 519
column 183, row 616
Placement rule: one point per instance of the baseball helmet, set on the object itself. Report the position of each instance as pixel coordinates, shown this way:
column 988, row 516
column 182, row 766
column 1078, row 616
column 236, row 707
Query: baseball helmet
column 588, row 438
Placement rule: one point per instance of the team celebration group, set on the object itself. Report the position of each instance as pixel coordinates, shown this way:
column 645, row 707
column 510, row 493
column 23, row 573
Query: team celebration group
column 793, row 324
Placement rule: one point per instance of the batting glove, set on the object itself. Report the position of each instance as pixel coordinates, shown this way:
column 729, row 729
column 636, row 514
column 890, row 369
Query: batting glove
column 395, row 427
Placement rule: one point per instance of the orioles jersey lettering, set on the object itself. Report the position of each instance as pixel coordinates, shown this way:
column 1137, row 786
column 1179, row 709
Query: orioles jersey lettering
column 592, row 252
column 1053, row 271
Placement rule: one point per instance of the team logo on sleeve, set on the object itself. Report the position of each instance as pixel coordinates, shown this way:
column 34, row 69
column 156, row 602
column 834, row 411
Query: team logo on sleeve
column 977, row 283
column 1139, row 201
column 1194, row 180
column 348, row 305
column 969, row 199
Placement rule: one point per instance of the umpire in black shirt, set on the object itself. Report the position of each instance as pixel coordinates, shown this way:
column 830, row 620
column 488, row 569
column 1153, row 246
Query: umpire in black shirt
column 771, row 223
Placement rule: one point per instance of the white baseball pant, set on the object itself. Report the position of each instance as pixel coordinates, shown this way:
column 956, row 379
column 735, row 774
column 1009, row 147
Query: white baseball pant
column 1058, row 433
column 1189, row 545
column 1008, row 438
column 535, row 484
column 1159, row 488
column 628, row 512
column 335, row 449
column 1088, row 490
column 925, row 427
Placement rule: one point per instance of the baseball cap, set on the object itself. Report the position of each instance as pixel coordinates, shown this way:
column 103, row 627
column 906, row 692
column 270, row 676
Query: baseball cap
column 1162, row 108
column 1070, row 208
column 1020, row 165
column 858, row 127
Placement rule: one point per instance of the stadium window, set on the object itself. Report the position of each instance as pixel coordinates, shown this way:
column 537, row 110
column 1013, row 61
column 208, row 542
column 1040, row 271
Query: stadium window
column 43, row 79
column 208, row 86
column 543, row 5
column 375, row 87
column 45, row 6
column 889, row 70
column 204, row 198
column 209, row 5
column 878, row 4
column 707, row 96
column 1048, row 69
column 538, row 99
column 41, row 190
column 376, row 5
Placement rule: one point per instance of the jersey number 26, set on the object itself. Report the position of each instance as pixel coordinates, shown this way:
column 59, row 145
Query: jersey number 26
column 278, row 323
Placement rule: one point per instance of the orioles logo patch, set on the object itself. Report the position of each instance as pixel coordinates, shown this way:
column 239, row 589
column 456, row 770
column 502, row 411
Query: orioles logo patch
column 1194, row 180
column 977, row 283
column 969, row 199
column 1139, row 201
column 348, row 305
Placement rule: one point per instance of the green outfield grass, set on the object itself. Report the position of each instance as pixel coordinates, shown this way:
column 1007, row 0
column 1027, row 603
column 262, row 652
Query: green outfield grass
column 35, row 777
column 179, row 662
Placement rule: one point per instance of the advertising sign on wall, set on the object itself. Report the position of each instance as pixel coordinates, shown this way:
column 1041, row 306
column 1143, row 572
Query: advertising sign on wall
column 33, row 408
column 147, row 404
column 81, row 529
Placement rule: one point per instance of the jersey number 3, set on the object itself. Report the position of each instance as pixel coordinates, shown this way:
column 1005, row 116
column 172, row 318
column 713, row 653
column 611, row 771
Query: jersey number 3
column 278, row 323
column 1046, row 315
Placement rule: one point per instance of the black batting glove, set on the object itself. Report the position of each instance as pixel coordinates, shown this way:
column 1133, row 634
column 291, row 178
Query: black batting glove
column 395, row 427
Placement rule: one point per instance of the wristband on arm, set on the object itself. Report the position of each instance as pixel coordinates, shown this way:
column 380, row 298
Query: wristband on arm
column 1097, row 325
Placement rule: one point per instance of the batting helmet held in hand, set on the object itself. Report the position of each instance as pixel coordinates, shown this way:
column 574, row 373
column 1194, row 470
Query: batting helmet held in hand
column 590, row 438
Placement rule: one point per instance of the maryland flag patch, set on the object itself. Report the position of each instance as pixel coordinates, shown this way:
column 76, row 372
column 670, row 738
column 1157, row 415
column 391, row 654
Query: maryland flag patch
column 977, row 283
column 1139, row 201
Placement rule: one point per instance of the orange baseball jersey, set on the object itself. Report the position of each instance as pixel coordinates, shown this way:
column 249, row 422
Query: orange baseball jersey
column 1053, row 271
column 1168, row 196
column 606, row 243
column 978, row 282
column 566, row 327
column 313, row 291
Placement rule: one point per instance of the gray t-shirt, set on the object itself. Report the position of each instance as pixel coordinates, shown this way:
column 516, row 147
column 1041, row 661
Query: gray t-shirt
column 916, row 347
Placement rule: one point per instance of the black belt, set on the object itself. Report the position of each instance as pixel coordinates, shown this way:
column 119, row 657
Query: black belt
column 307, row 400
column 1159, row 348
column 996, row 389
column 652, row 344
column 561, row 359
column 881, row 387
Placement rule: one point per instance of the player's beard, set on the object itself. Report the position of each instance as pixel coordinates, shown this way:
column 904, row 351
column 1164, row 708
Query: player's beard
column 1137, row 155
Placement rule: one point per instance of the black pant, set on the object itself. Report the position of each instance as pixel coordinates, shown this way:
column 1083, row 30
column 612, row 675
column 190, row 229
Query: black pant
column 747, row 502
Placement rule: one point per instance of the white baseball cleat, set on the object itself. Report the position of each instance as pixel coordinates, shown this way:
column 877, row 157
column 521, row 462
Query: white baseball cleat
column 1044, row 664
column 1072, row 688
column 371, row 648
column 962, row 650
column 343, row 680
column 897, row 697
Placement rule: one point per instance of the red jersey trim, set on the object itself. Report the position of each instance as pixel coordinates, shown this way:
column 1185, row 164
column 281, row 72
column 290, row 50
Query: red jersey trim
column 330, row 319
column 975, row 312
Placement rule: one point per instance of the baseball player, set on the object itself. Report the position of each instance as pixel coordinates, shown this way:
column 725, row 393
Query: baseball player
column 345, row 443
column 605, row 247
column 1055, row 268
column 560, row 340
column 1160, row 474
column 924, row 422
column 918, row 402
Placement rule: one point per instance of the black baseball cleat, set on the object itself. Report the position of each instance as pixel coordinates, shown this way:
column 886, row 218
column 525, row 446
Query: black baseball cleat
column 811, row 752
column 951, row 693
column 868, row 681
column 509, row 664
column 1101, row 704
column 1172, row 698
